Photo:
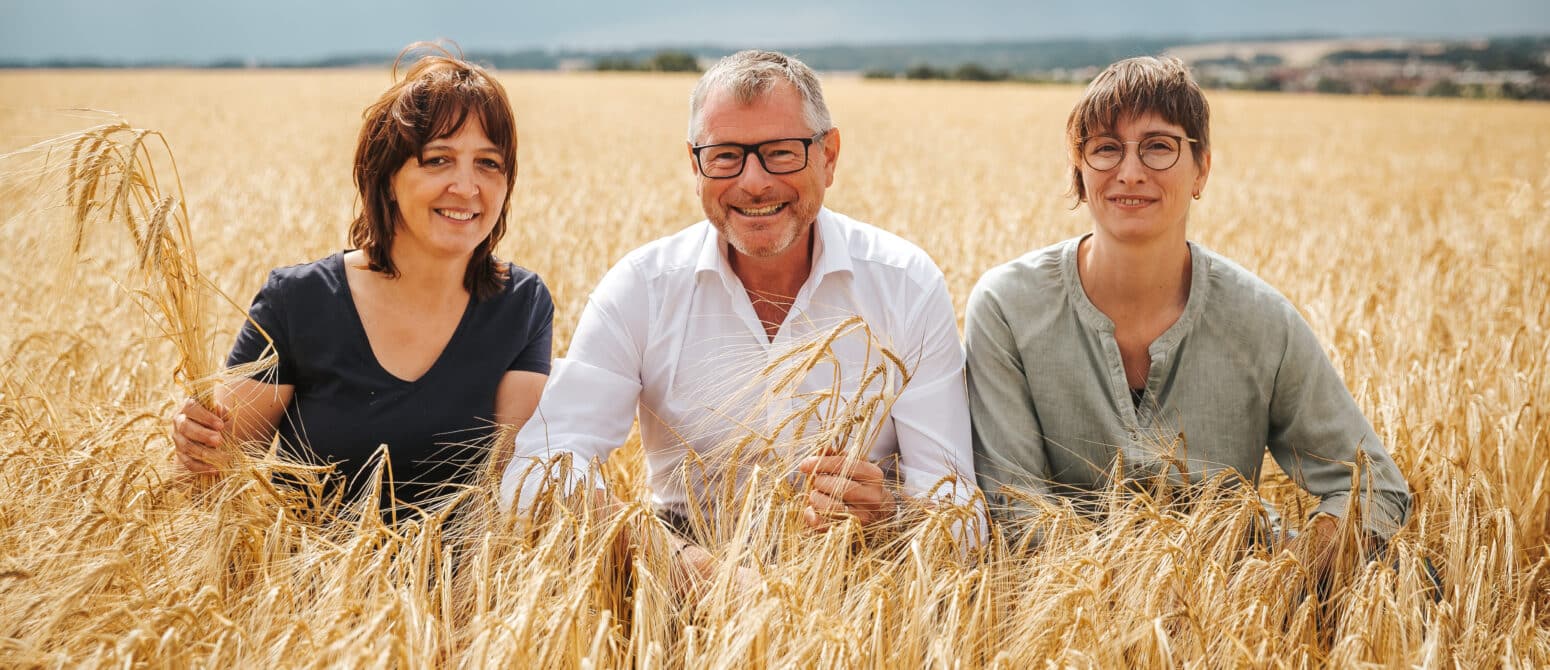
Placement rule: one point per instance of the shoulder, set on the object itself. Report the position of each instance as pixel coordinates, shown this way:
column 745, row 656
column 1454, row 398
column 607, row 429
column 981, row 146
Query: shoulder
column 877, row 252
column 1038, row 272
column 1242, row 293
column 306, row 281
column 1036, row 268
column 674, row 254
column 649, row 273
column 523, row 284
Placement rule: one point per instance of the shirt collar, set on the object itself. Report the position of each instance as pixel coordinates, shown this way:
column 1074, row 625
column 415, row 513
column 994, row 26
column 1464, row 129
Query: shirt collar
column 829, row 250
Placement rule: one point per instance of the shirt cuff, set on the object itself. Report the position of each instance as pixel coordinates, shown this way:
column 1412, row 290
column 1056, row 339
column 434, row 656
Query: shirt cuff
column 528, row 479
column 1380, row 517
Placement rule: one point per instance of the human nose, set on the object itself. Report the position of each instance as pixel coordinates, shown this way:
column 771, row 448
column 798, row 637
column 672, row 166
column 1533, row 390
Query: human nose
column 1130, row 169
column 465, row 182
column 754, row 178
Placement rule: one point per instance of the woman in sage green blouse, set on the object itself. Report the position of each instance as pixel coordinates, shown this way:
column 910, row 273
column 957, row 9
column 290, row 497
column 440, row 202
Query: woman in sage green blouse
column 1111, row 346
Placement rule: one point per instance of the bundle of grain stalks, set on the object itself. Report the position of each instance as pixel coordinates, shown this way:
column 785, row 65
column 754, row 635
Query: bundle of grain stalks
column 108, row 556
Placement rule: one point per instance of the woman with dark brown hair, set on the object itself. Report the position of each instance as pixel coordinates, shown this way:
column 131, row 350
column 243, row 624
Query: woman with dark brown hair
column 418, row 338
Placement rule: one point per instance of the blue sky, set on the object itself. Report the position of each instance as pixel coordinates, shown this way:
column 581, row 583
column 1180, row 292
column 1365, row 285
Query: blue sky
column 296, row 29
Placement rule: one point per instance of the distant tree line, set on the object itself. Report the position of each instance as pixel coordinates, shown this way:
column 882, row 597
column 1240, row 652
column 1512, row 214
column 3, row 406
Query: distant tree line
column 661, row 61
column 970, row 71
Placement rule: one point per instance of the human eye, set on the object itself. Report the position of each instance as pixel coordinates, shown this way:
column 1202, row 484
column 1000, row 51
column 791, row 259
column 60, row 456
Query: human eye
column 1103, row 147
column 723, row 154
column 781, row 152
column 1159, row 144
column 433, row 160
column 491, row 164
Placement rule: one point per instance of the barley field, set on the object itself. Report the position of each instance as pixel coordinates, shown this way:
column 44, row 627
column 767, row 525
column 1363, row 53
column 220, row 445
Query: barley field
column 1413, row 234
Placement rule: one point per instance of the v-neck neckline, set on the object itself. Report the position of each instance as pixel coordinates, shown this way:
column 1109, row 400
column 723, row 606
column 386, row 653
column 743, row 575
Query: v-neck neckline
column 365, row 340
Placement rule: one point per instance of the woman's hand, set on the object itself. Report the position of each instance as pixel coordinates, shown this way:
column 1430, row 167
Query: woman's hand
column 845, row 487
column 694, row 567
column 245, row 411
column 196, row 432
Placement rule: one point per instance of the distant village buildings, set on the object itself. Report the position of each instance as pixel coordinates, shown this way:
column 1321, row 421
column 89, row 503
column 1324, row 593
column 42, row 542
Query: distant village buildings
column 1382, row 67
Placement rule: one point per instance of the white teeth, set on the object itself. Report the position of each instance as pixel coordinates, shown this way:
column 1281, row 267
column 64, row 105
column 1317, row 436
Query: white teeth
column 1130, row 202
column 763, row 211
column 460, row 216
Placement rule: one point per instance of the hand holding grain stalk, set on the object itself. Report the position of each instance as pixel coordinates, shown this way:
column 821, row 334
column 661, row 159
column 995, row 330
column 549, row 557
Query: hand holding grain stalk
column 112, row 178
column 845, row 487
column 843, row 482
column 196, row 432
column 1442, row 328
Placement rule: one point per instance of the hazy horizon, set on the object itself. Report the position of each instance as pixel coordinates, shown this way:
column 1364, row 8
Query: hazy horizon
column 285, row 30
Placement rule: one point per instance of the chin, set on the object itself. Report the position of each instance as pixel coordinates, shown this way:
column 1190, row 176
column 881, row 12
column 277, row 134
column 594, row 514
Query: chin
column 762, row 248
column 769, row 240
column 1135, row 230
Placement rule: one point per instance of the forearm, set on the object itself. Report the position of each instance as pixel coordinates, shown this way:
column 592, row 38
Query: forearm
column 254, row 409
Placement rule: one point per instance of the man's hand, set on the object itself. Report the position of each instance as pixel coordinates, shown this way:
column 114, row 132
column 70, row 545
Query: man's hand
column 845, row 487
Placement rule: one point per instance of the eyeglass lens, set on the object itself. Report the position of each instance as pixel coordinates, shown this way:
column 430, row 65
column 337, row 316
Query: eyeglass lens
column 777, row 157
column 1158, row 152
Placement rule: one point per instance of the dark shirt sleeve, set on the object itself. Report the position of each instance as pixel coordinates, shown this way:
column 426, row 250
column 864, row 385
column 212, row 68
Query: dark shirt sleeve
column 535, row 357
column 265, row 316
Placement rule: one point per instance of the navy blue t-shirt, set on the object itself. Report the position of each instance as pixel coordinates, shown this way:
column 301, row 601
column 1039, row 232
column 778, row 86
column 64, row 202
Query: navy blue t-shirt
column 436, row 427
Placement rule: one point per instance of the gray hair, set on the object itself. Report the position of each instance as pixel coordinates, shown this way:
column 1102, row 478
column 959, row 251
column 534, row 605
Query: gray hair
column 752, row 73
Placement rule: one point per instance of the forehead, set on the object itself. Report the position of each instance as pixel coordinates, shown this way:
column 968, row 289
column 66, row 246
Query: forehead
column 776, row 113
column 1140, row 125
column 471, row 135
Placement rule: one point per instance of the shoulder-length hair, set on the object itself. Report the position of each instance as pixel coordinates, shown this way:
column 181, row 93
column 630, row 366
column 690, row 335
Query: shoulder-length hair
column 434, row 99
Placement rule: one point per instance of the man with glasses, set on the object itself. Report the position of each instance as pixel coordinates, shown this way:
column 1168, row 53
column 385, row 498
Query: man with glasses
column 680, row 328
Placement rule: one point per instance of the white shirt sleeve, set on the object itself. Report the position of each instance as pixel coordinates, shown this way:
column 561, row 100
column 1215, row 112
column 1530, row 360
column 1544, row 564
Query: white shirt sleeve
column 931, row 415
column 589, row 403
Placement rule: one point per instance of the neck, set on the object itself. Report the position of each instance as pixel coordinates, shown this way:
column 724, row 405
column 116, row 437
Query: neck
column 1134, row 276
column 434, row 279
column 777, row 278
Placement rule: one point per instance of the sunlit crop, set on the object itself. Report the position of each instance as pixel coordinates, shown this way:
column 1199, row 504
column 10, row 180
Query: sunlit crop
column 1413, row 234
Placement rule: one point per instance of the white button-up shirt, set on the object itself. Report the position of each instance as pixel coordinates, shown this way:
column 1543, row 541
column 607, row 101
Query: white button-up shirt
column 670, row 335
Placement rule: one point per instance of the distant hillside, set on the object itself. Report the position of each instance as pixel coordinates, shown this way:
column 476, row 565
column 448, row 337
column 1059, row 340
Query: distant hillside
column 1025, row 56
column 1505, row 67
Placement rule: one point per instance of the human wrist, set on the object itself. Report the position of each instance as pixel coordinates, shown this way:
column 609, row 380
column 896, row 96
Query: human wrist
column 696, row 559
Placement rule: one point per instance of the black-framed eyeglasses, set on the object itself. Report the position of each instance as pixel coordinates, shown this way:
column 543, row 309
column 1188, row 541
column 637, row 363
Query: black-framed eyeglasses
column 1158, row 152
column 782, row 156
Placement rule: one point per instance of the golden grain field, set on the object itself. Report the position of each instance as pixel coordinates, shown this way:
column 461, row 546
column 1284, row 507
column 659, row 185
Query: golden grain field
column 1413, row 234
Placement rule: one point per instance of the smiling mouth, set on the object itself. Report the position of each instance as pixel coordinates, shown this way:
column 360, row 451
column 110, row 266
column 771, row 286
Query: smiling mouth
column 1130, row 202
column 457, row 215
column 760, row 211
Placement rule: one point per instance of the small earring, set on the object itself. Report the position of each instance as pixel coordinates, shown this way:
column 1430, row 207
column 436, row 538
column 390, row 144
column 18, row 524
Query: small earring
column 1197, row 195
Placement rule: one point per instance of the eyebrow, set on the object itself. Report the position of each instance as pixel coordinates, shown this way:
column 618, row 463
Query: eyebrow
column 1158, row 133
column 441, row 145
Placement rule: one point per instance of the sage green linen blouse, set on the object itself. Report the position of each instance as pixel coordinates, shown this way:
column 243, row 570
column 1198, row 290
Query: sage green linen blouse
column 1239, row 371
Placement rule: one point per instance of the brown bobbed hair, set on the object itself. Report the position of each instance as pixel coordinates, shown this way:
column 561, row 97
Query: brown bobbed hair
column 433, row 100
column 1137, row 87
